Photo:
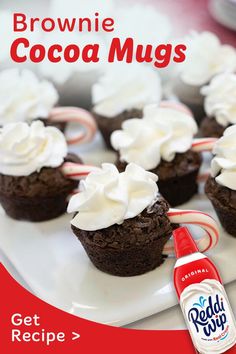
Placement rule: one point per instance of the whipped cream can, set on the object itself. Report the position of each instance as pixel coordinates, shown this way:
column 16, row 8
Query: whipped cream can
column 202, row 298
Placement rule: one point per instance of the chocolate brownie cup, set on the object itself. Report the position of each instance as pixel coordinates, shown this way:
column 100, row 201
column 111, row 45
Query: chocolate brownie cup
column 121, row 94
column 107, row 127
column 161, row 143
column 32, row 185
column 219, row 104
column 59, row 125
column 210, row 128
column 223, row 200
column 221, row 185
column 111, row 251
column 177, row 179
column 38, row 197
column 126, row 235
column 190, row 96
column 197, row 70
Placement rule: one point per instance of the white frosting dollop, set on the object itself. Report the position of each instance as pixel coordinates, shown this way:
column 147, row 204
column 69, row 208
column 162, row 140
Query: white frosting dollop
column 26, row 149
column 108, row 197
column 206, row 57
column 23, row 97
column 223, row 165
column 124, row 87
column 160, row 134
column 220, row 99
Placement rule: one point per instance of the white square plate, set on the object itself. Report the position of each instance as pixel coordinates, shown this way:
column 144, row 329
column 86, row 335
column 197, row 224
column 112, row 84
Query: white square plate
column 53, row 263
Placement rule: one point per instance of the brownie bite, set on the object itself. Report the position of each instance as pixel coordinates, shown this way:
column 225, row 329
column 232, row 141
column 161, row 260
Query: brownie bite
column 177, row 179
column 219, row 104
column 210, row 128
column 161, row 143
column 59, row 125
column 190, row 95
column 32, row 184
column 125, row 233
column 221, row 185
column 107, row 126
column 223, row 200
column 121, row 94
column 40, row 196
column 198, row 70
column 132, row 248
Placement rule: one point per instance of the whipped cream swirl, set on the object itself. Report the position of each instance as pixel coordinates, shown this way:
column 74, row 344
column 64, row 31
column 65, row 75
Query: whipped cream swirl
column 206, row 57
column 125, row 87
column 160, row 134
column 23, row 97
column 223, row 165
column 220, row 99
column 26, row 149
column 108, row 197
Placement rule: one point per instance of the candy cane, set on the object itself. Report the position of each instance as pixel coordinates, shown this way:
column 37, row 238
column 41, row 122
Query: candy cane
column 176, row 105
column 203, row 176
column 203, row 144
column 76, row 171
column 75, row 191
column 77, row 115
column 193, row 217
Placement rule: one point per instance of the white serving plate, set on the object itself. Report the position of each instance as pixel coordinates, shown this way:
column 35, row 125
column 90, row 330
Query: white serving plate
column 224, row 12
column 54, row 265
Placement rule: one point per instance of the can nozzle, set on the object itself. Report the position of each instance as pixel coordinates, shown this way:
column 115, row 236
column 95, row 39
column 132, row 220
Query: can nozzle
column 184, row 243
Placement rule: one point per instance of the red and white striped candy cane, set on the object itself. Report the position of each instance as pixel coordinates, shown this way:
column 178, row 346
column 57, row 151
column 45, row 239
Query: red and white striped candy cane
column 202, row 177
column 203, row 144
column 177, row 106
column 198, row 218
column 75, row 191
column 76, row 115
column 77, row 171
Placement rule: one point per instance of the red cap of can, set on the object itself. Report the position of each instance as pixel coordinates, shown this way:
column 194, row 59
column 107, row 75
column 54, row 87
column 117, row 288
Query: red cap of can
column 184, row 243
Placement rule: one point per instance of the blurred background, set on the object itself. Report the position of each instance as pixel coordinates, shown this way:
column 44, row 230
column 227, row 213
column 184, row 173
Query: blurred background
column 148, row 21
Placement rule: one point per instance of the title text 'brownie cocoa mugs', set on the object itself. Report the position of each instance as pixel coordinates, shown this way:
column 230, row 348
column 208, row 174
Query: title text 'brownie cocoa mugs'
column 163, row 142
column 121, row 93
column 124, row 224
column 221, row 185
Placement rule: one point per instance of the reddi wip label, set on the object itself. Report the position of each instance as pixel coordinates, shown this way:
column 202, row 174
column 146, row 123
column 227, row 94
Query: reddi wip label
column 209, row 316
